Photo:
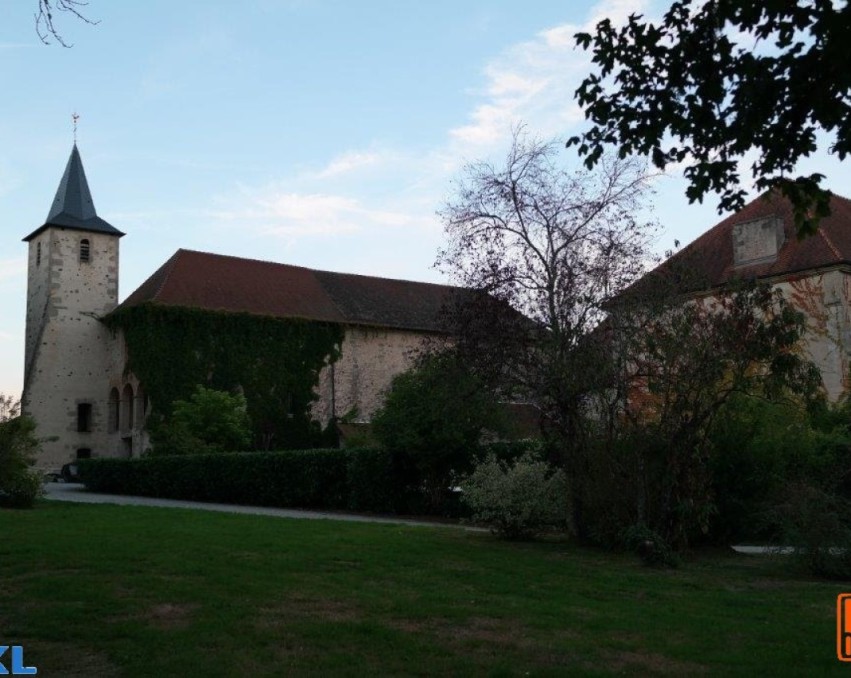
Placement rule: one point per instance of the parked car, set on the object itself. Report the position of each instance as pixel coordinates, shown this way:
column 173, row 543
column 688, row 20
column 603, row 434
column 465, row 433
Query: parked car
column 69, row 473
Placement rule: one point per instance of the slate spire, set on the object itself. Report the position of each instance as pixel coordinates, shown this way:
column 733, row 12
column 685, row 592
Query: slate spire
column 73, row 196
column 73, row 206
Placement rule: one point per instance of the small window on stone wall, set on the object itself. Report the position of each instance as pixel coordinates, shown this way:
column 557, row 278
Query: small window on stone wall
column 38, row 254
column 84, row 250
column 84, row 417
column 84, row 453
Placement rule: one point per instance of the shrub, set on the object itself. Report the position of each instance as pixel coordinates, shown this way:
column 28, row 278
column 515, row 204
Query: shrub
column 649, row 546
column 613, row 491
column 758, row 445
column 22, row 490
column 517, row 499
column 816, row 522
column 765, row 455
column 20, row 485
column 434, row 415
column 754, row 448
column 210, row 421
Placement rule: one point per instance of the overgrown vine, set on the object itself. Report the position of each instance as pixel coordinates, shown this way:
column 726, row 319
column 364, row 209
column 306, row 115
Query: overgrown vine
column 275, row 362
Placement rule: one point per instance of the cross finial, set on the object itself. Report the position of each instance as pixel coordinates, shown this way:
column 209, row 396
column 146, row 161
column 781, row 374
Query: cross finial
column 75, row 118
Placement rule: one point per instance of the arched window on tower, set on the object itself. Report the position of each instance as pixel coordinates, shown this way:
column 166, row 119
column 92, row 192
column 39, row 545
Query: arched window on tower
column 84, row 251
column 38, row 254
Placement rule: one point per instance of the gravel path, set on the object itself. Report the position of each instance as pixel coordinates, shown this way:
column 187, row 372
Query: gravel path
column 77, row 493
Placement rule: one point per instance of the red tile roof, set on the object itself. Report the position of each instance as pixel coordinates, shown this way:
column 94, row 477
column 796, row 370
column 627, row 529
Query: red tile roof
column 225, row 283
column 710, row 257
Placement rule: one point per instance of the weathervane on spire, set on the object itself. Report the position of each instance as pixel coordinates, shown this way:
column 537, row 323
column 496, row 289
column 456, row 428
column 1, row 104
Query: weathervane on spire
column 75, row 118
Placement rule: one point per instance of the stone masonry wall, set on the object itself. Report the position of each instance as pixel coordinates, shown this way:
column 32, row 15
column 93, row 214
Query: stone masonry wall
column 825, row 300
column 356, row 383
column 68, row 348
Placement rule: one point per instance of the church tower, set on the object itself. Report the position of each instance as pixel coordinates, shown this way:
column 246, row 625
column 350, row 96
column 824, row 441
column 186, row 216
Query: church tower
column 72, row 281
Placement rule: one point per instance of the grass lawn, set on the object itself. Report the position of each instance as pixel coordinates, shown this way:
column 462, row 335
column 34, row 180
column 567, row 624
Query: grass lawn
column 98, row 590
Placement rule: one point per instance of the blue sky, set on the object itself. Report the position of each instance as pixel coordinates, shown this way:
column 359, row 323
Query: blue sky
column 313, row 132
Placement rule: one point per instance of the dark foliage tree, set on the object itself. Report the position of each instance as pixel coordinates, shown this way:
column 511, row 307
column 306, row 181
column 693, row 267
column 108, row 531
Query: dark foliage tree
column 20, row 485
column 715, row 81
column 45, row 18
column 433, row 419
column 679, row 363
column 556, row 246
column 209, row 421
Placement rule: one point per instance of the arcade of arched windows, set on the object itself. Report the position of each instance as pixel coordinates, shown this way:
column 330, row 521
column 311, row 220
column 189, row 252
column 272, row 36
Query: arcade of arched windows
column 127, row 409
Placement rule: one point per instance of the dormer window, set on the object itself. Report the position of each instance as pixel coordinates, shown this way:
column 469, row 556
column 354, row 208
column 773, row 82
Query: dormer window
column 38, row 254
column 84, row 251
column 757, row 241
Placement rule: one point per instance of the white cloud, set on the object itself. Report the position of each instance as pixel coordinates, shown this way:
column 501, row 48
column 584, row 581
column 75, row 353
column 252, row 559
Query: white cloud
column 531, row 82
column 490, row 124
column 527, row 80
column 559, row 37
column 274, row 210
column 534, row 82
column 348, row 162
column 616, row 10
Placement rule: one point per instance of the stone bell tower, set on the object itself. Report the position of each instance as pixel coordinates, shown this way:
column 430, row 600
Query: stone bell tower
column 72, row 281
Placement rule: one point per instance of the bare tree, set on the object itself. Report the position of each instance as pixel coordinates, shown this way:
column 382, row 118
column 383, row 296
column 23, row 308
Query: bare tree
column 45, row 20
column 557, row 246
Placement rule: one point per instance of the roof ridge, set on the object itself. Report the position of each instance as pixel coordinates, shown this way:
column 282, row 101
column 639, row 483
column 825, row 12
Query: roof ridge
column 841, row 197
column 830, row 244
column 233, row 256
column 380, row 277
column 313, row 270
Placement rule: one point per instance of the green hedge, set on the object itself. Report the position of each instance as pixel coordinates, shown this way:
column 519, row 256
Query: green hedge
column 372, row 481
column 353, row 479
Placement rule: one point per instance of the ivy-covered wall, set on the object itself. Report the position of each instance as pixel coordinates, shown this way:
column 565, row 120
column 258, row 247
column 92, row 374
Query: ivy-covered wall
column 275, row 362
